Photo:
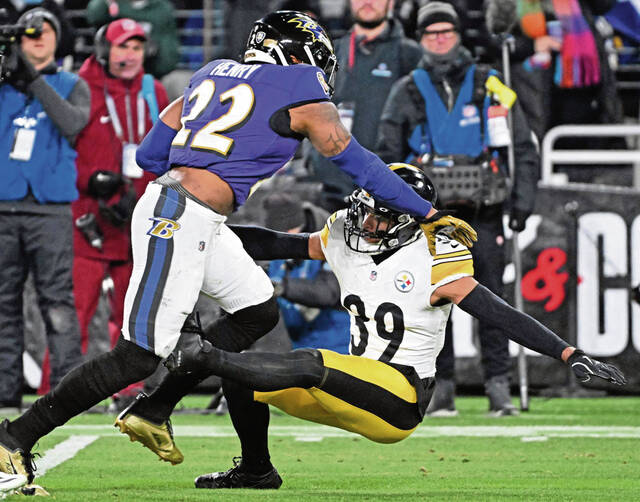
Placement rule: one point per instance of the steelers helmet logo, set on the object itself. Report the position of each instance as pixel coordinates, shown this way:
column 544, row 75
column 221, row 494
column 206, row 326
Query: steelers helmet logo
column 404, row 281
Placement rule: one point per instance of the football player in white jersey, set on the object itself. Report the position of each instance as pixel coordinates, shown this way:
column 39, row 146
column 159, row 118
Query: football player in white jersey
column 399, row 293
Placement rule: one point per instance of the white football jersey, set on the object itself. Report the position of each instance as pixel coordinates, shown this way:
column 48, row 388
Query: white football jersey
column 392, row 319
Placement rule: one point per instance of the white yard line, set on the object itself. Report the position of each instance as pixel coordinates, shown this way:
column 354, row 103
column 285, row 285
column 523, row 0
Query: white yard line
column 62, row 452
column 422, row 432
column 68, row 448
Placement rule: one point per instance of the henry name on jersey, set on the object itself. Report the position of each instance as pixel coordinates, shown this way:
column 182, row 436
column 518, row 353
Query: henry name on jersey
column 234, row 69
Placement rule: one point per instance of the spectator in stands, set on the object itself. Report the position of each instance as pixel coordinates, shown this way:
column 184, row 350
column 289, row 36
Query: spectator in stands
column 439, row 115
column 574, row 83
column 43, row 110
column 308, row 292
column 372, row 56
column 124, row 105
column 159, row 23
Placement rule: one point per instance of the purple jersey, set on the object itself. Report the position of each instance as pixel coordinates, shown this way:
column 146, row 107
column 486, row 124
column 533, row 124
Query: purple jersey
column 225, row 119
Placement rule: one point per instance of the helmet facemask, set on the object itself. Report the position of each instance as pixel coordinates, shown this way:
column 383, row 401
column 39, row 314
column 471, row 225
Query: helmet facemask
column 385, row 230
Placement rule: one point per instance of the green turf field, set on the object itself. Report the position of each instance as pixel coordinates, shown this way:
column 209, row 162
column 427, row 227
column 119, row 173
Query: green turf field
column 563, row 449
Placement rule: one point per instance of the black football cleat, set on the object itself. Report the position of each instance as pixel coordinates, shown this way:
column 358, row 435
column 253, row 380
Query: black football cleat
column 235, row 478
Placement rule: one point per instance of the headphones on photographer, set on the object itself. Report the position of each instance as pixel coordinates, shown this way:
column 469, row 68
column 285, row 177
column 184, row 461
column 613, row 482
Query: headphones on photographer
column 102, row 46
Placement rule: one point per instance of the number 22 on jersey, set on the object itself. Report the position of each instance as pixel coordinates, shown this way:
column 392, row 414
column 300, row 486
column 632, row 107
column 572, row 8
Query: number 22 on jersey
column 209, row 137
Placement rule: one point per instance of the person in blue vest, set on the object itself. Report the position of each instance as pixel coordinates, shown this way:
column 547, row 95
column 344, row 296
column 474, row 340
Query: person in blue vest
column 308, row 291
column 43, row 109
column 440, row 115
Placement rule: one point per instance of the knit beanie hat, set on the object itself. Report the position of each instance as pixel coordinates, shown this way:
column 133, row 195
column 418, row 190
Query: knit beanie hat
column 30, row 17
column 437, row 12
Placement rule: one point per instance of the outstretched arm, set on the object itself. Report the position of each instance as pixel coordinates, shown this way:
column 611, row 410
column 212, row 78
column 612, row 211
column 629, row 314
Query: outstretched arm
column 265, row 244
column 320, row 122
column 487, row 307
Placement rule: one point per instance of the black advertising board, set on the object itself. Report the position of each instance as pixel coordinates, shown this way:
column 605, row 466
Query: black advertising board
column 580, row 258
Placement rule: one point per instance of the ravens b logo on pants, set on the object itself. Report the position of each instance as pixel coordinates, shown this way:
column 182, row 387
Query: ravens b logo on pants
column 163, row 228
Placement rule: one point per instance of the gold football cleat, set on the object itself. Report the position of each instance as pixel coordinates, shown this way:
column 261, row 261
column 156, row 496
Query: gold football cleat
column 158, row 438
column 33, row 491
column 14, row 462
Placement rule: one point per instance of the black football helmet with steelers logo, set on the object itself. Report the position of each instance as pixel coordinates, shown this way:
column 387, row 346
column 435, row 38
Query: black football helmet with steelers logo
column 394, row 229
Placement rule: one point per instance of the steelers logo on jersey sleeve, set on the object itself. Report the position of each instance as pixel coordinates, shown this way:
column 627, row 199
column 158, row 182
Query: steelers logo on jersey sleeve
column 404, row 281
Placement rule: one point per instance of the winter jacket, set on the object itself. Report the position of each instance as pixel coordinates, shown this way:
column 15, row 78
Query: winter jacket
column 405, row 109
column 368, row 69
column 99, row 148
column 365, row 78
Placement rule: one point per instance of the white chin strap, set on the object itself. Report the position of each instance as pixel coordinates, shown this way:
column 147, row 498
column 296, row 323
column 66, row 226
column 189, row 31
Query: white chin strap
column 261, row 57
column 308, row 52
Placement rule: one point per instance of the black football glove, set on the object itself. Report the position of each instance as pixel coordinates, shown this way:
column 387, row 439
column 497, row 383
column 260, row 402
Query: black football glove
column 442, row 221
column 119, row 213
column 189, row 356
column 518, row 219
column 584, row 368
column 26, row 70
column 20, row 71
column 103, row 184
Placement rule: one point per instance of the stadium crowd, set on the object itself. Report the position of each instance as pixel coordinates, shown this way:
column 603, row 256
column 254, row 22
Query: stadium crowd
column 375, row 47
column 70, row 138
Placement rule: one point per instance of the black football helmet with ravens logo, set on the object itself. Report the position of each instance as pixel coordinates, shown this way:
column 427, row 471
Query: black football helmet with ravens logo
column 392, row 229
column 289, row 37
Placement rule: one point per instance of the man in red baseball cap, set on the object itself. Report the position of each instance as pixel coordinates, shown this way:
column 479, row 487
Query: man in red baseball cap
column 124, row 41
column 124, row 104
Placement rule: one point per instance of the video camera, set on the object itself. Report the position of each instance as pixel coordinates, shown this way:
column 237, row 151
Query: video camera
column 9, row 38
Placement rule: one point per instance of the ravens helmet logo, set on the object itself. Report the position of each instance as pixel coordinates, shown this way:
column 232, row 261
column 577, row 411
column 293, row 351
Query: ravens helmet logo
column 309, row 26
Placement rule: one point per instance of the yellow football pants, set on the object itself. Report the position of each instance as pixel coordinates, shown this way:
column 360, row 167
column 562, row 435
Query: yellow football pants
column 360, row 395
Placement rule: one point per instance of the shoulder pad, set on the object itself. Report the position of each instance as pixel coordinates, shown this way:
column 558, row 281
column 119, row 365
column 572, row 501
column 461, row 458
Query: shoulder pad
column 324, row 233
column 452, row 258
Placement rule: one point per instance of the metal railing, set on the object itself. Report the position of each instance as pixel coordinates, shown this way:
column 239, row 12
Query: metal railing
column 551, row 156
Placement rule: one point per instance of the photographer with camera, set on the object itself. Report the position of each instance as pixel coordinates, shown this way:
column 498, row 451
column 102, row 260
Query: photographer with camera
column 449, row 117
column 124, row 105
column 43, row 109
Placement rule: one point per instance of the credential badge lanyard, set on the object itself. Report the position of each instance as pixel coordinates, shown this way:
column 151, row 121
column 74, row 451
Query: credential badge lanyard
column 25, row 137
column 129, row 167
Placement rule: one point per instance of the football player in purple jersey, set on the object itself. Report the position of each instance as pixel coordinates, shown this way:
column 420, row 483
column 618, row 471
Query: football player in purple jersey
column 236, row 125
